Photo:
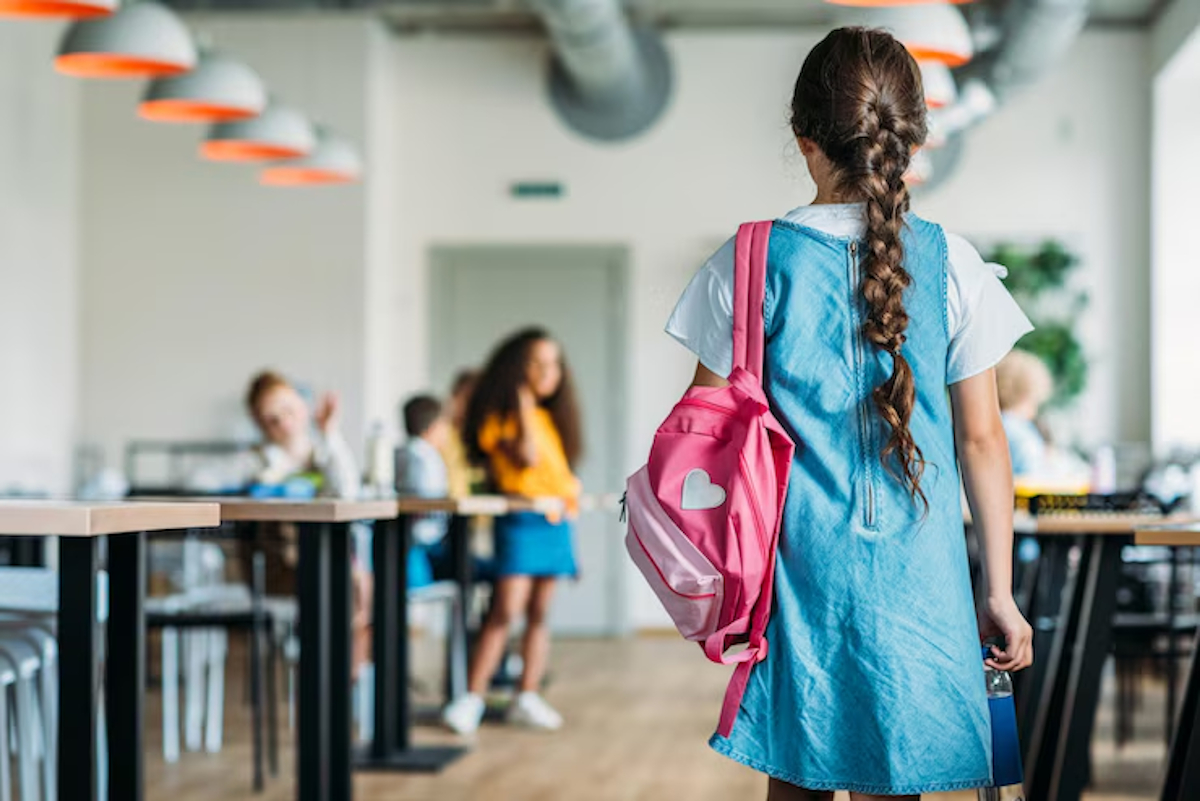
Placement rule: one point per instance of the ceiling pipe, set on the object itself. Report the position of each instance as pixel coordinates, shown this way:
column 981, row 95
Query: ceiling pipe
column 608, row 80
column 1034, row 36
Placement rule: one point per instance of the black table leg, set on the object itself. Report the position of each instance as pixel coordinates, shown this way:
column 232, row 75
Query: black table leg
column 392, row 748
column 1053, row 636
column 257, row 583
column 79, row 669
column 341, row 650
column 312, row 733
column 1183, row 768
column 125, row 671
column 463, row 564
column 1047, row 604
column 1100, row 571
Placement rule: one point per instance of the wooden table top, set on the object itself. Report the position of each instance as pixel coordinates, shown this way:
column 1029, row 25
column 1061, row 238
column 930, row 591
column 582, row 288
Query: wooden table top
column 1076, row 523
column 316, row 510
column 95, row 519
column 1182, row 534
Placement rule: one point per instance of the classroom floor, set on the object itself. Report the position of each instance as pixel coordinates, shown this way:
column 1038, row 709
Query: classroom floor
column 638, row 714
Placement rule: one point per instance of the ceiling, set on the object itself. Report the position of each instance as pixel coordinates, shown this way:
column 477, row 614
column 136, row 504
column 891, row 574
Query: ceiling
column 491, row 14
column 502, row 15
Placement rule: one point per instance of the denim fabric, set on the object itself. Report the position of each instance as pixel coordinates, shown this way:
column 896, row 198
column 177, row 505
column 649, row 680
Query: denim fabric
column 873, row 681
column 527, row 544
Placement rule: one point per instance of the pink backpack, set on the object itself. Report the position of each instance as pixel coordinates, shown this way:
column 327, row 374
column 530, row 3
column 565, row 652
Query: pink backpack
column 704, row 513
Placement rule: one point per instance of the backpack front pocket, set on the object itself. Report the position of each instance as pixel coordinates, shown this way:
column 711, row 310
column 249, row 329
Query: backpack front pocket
column 685, row 581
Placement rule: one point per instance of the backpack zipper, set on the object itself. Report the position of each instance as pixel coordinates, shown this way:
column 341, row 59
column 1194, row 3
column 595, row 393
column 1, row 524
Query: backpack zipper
column 706, row 405
column 864, row 424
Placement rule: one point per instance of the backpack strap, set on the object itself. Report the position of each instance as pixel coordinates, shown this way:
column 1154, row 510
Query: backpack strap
column 749, row 292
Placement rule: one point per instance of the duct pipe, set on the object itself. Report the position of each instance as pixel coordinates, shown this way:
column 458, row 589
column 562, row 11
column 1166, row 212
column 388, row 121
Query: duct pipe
column 1034, row 37
column 608, row 80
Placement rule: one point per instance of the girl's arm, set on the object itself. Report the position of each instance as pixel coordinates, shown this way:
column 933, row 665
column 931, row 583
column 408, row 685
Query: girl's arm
column 707, row 378
column 987, row 476
column 523, row 449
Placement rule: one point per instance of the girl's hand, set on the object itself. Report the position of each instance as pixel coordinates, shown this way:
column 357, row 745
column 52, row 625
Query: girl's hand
column 526, row 400
column 328, row 414
column 1001, row 617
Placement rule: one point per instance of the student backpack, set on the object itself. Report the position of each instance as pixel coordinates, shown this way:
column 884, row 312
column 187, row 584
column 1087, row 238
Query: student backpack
column 704, row 513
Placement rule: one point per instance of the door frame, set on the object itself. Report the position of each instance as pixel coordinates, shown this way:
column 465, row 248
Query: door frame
column 442, row 264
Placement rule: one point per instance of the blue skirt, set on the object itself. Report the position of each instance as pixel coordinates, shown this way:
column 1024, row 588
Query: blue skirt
column 527, row 544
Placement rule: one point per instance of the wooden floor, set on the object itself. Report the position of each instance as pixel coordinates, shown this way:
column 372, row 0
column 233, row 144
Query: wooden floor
column 638, row 715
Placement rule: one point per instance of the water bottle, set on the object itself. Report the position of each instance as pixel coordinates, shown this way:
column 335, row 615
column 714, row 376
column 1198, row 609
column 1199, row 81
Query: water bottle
column 381, row 474
column 1007, row 773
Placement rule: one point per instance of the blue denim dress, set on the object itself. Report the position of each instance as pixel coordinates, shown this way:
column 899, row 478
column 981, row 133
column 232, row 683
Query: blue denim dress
column 873, row 681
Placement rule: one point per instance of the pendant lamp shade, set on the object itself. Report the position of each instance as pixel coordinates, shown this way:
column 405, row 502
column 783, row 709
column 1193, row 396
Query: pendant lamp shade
column 332, row 161
column 143, row 40
column 931, row 32
column 219, row 89
column 940, row 89
column 278, row 133
column 76, row 9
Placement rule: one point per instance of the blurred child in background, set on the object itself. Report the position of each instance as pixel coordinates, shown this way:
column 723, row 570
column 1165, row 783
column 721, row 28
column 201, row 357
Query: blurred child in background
column 293, row 447
column 461, row 474
column 1024, row 385
column 421, row 471
column 523, row 423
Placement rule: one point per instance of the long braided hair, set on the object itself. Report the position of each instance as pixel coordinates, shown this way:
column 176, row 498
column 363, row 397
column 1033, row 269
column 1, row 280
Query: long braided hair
column 859, row 98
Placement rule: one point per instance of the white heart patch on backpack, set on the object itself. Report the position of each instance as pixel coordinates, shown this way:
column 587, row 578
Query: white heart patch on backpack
column 700, row 493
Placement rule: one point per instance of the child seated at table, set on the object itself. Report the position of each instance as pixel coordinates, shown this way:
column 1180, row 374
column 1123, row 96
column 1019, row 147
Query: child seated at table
column 1024, row 385
column 294, row 448
column 421, row 471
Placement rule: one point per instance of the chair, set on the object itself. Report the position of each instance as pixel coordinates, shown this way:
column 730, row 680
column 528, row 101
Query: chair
column 207, row 608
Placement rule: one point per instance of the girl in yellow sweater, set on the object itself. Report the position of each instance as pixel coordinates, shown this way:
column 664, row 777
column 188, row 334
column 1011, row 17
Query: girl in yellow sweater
column 523, row 425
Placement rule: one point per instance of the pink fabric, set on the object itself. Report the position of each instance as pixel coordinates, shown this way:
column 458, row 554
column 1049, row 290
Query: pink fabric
column 704, row 513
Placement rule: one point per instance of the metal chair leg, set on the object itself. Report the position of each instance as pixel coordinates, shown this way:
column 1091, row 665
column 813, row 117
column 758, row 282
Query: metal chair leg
column 195, row 646
column 170, row 694
column 5, row 762
column 218, row 647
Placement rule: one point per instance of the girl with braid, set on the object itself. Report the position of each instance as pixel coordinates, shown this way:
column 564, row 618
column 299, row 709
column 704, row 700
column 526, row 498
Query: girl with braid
column 874, row 680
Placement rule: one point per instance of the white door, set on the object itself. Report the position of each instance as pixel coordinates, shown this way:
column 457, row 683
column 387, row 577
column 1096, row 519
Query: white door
column 480, row 296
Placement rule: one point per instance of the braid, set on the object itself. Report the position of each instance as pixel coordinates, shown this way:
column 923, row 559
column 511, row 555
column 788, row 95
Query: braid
column 859, row 98
column 881, row 184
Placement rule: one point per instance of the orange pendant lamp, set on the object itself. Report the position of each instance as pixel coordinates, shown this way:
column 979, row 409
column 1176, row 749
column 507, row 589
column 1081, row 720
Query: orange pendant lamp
column 332, row 161
column 219, row 89
column 143, row 40
column 934, row 32
column 278, row 133
column 63, row 9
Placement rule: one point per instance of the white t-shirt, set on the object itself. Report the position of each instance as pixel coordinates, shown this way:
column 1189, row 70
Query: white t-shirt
column 984, row 321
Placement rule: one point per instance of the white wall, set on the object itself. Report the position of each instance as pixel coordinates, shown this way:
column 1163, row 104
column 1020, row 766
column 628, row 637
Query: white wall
column 1176, row 286
column 195, row 276
column 38, row 277
column 1067, row 159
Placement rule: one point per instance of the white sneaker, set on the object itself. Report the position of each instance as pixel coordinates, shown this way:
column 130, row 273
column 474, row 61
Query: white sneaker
column 463, row 715
column 532, row 711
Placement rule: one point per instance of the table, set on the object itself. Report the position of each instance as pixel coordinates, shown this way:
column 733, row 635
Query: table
column 1183, row 766
column 1058, row 696
column 323, row 587
column 80, row 528
column 392, row 748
